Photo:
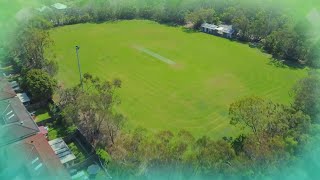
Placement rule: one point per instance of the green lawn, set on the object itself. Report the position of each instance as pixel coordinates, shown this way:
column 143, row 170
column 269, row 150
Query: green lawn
column 58, row 131
column 193, row 94
column 42, row 114
column 77, row 152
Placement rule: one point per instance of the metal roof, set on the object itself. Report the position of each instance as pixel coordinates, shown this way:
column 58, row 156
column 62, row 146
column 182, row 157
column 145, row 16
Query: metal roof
column 223, row 28
column 209, row 26
column 23, row 97
column 62, row 150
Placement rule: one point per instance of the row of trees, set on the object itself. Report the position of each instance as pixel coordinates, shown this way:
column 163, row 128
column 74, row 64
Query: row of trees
column 273, row 136
column 272, row 28
column 26, row 53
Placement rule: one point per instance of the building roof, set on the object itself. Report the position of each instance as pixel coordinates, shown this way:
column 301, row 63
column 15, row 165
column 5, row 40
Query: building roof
column 32, row 158
column 209, row 26
column 43, row 130
column 15, row 121
column 14, row 84
column 59, row 6
column 6, row 91
column 226, row 28
column 23, row 97
column 223, row 27
column 62, row 150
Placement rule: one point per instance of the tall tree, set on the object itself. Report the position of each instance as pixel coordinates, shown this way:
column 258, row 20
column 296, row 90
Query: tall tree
column 92, row 110
column 306, row 94
column 39, row 84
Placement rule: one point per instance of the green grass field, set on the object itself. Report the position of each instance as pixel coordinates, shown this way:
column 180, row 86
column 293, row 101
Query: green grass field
column 193, row 93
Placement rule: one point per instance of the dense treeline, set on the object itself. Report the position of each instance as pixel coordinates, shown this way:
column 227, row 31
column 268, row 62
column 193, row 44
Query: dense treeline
column 273, row 137
column 270, row 27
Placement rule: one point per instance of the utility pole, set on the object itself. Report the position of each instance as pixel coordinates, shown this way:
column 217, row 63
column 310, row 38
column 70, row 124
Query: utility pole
column 77, row 51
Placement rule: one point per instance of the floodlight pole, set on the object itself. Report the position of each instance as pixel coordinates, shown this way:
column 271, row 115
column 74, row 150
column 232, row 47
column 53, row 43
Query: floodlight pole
column 77, row 51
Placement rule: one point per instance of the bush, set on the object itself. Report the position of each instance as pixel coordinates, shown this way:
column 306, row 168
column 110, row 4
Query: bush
column 104, row 156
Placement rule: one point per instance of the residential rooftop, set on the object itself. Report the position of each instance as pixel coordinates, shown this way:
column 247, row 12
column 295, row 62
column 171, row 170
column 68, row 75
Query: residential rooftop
column 222, row 28
column 15, row 121
column 23, row 97
column 31, row 158
column 6, row 91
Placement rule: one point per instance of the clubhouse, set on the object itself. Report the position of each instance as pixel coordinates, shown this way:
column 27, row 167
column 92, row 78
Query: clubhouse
column 219, row 30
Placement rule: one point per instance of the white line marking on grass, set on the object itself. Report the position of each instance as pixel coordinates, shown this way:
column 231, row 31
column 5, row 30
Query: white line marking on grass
column 155, row 55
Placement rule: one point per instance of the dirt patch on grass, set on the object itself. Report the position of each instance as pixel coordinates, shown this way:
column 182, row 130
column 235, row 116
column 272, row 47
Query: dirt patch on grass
column 222, row 81
column 177, row 66
column 155, row 55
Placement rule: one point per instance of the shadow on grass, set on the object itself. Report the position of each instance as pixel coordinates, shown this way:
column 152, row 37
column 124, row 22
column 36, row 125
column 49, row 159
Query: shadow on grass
column 189, row 30
column 285, row 64
column 42, row 114
column 56, row 130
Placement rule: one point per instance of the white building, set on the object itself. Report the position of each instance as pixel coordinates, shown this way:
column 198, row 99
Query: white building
column 221, row 30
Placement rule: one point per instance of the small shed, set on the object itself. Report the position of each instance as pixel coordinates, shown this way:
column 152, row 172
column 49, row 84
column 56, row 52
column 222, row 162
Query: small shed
column 63, row 152
column 24, row 98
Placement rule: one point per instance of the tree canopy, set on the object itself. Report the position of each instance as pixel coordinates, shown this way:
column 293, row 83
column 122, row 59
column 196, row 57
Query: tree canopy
column 39, row 84
column 92, row 109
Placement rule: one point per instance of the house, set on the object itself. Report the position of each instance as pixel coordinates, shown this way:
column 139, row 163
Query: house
column 15, row 122
column 31, row 158
column 24, row 151
column 220, row 30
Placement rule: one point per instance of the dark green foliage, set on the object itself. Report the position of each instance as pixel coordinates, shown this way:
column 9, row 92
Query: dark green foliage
column 306, row 96
column 104, row 156
column 238, row 144
column 80, row 157
column 39, row 84
column 200, row 16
